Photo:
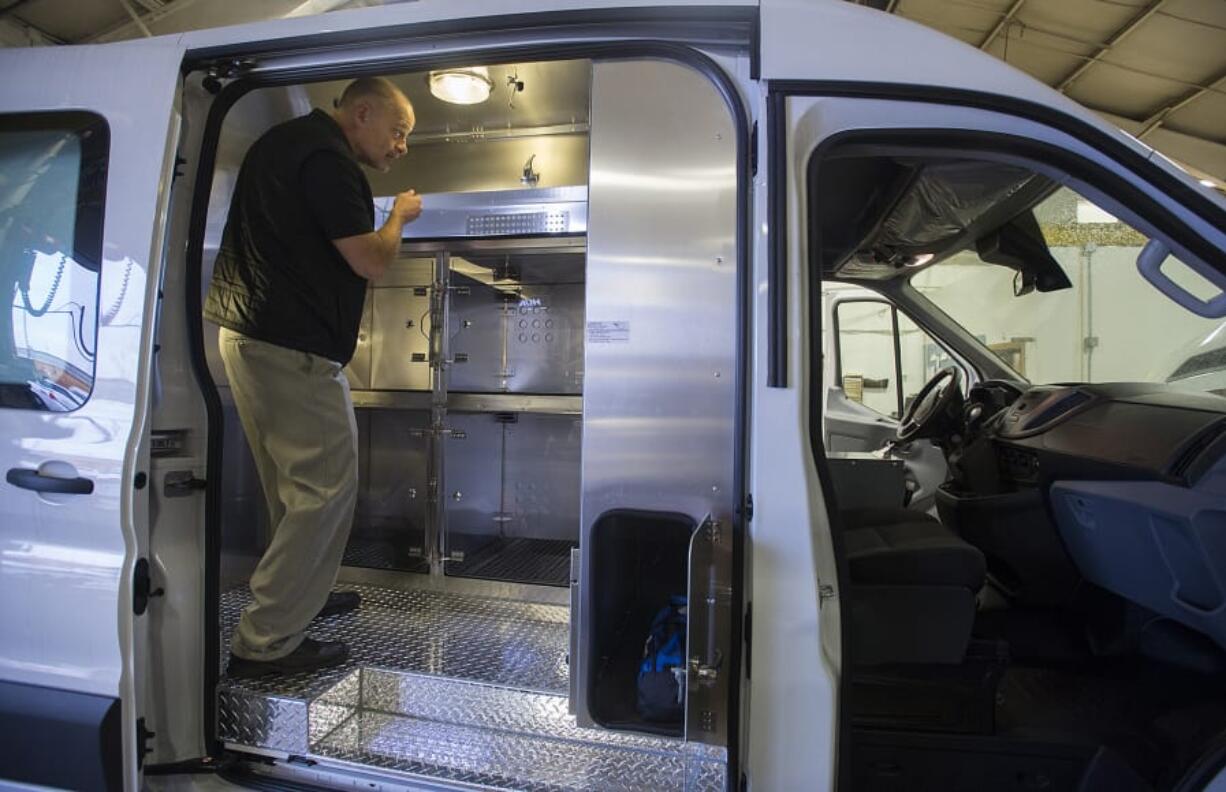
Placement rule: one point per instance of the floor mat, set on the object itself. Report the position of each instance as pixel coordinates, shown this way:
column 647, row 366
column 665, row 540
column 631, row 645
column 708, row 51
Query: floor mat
column 516, row 560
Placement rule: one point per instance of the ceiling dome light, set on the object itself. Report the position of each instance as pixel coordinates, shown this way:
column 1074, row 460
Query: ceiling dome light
column 462, row 86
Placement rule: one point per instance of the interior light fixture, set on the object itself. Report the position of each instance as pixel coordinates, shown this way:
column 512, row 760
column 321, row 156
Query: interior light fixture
column 471, row 85
column 1208, row 182
column 918, row 261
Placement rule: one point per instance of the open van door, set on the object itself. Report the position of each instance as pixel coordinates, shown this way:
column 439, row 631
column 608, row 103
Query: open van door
column 85, row 167
column 847, row 161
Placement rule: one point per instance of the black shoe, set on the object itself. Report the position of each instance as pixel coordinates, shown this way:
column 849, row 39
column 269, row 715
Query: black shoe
column 339, row 602
column 309, row 655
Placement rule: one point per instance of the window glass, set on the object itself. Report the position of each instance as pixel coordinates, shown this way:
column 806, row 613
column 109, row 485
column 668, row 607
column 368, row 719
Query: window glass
column 920, row 357
column 866, row 354
column 52, row 188
column 1111, row 326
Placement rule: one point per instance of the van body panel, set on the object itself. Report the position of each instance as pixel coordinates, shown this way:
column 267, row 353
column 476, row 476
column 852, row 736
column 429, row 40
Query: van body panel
column 67, row 561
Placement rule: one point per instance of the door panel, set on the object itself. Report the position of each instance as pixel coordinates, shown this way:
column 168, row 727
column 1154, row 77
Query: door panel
column 79, row 391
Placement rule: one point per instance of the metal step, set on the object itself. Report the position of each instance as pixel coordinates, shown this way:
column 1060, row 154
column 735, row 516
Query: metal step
column 479, row 698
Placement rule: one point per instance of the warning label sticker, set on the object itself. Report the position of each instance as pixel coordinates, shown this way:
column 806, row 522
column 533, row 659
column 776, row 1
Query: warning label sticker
column 608, row 332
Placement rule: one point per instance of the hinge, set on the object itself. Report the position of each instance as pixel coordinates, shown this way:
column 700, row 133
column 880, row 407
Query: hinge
column 748, row 510
column 143, row 736
column 181, row 483
column 142, row 584
column 825, row 591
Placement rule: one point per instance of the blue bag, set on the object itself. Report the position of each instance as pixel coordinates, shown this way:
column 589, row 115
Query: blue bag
column 661, row 680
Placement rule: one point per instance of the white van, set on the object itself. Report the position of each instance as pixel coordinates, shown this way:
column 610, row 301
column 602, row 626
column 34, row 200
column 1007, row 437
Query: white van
column 593, row 383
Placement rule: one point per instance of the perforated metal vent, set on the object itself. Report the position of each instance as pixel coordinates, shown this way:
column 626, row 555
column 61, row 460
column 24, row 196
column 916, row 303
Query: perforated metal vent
column 518, row 223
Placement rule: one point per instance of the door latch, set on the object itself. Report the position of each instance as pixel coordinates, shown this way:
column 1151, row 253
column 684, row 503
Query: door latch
column 181, row 483
column 705, row 674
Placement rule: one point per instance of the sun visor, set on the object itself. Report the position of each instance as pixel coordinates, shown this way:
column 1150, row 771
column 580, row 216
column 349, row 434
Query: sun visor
column 945, row 200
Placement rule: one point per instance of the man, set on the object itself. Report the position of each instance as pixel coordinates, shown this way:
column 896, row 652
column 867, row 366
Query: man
column 288, row 287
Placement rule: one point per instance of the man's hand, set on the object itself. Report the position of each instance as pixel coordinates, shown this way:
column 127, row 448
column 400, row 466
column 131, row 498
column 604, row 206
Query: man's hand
column 407, row 206
column 369, row 255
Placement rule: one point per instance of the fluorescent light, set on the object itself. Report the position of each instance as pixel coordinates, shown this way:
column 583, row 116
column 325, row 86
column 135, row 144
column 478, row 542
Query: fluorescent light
column 1208, row 182
column 462, row 86
column 918, row 261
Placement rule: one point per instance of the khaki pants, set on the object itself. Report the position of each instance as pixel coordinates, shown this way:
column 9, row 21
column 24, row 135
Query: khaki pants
column 298, row 417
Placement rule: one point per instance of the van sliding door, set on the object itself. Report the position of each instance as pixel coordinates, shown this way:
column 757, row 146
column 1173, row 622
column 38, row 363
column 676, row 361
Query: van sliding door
column 84, row 160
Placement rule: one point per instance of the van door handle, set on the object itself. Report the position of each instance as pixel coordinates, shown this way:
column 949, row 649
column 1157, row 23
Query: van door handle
column 33, row 480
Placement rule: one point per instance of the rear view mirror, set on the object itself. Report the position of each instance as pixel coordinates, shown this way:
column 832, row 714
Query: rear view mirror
column 1192, row 277
column 1020, row 246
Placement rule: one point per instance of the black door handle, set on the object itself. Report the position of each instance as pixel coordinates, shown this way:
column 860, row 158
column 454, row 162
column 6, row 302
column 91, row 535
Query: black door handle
column 33, row 480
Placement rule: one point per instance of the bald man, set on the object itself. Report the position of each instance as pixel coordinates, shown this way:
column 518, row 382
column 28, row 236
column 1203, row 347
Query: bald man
column 288, row 287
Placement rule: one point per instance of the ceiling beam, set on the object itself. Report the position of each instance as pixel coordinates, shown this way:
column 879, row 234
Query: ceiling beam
column 1158, row 118
column 11, row 7
column 121, row 30
column 7, row 14
column 1119, row 35
column 15, row 33
column 1002, row 24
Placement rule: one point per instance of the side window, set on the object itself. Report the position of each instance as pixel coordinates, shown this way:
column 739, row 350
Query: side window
column 868, row 371
column 884, row 357
column 52, row 192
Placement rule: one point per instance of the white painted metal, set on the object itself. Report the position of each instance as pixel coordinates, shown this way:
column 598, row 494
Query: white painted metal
column 797, row 657
column 66, row 565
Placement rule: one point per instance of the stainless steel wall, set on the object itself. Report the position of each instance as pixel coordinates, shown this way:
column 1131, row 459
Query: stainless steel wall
column 394, row 342
column 659, row 397
column 561, row 161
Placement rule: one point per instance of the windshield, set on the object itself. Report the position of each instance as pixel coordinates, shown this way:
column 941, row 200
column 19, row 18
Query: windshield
column 1110, row 326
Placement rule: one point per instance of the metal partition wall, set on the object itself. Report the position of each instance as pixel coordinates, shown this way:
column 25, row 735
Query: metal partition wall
column 466, row 381
column 659, row 400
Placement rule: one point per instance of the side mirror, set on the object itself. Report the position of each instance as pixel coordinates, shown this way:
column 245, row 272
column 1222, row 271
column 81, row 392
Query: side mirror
column 1149, row 264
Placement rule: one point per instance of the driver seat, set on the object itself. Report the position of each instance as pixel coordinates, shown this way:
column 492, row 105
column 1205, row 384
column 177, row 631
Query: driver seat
column 913, row 587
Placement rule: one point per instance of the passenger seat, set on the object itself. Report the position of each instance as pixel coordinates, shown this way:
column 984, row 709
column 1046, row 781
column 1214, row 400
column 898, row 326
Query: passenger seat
column 913, row 587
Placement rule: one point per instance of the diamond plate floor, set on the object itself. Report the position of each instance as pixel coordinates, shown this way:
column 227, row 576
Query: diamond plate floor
column 453, row 687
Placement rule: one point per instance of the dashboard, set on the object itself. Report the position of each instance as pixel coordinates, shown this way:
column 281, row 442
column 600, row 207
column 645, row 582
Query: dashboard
column 1110, row 431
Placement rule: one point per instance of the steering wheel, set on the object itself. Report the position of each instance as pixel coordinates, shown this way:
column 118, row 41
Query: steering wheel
column 923, row 418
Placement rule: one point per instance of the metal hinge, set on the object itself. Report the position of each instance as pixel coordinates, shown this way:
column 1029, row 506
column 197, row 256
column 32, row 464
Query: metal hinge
column 181, row 483
column 143, row 736
column 748, row 506
column 142, row 587
column 825, row 591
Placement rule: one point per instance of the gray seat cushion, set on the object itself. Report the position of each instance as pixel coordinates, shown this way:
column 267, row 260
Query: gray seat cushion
column 912, row 553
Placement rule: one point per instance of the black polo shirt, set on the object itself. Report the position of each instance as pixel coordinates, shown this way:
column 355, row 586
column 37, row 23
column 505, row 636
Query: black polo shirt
column 278, row 277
